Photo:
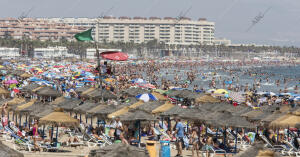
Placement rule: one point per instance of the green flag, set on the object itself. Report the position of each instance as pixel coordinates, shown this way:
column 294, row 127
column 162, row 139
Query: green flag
column 84, row 36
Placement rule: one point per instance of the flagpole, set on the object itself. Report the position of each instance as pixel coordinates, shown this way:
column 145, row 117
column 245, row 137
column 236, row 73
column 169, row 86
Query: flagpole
column 99, row 69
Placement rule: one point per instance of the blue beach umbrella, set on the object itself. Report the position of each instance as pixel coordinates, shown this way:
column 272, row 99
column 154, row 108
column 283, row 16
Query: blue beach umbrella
column 146, row 97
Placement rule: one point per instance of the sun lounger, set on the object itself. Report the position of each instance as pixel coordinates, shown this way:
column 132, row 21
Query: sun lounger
column 291, row 150
column 209, row 131
column 269, row 145
column 93, row 141
column 50, row 147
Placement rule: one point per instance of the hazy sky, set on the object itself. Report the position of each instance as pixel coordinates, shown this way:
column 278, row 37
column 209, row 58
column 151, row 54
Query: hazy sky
column 280, row 26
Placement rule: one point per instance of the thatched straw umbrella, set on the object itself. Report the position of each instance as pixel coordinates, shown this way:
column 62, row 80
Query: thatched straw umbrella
column 134, row 91
column 119, row 150
column 237, row 122
column 165, row 107
column 150, row 106
column 15, row 101
column 207, row 99
column 98, row 94
column 176, row 110
column 26, row 75
column 106, row 110
column 58, row 118
column 48, row 91
column 83, row 108
column 29, row 88
column 272, row 117
column 252, row 114
column 68, row 104
column 3, row 91
column 288, row 120
column 159, row 96
column 82, row 89
column 6, row 151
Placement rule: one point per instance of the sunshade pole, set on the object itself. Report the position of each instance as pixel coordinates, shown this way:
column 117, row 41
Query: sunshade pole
column 187, row 126
column 56, row 136
column 91, row 120
column 26, row 120
column 98, row 122
column 217, row 132
column 13, row 116
column 20, row 118
column 16, row 118
column 86, row 119
column 169, row 123
column 29, row 121
column 235, row 145
column 52, row 133
column 43, row 131
column 288, row 131
column 8, row 115
column 277, row 135
column 99, row 69
column 139, row 122
column 80, row 117
column 224, row 132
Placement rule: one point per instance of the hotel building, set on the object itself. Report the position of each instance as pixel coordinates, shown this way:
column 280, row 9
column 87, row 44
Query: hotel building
column 37, row 29
column 138, row 29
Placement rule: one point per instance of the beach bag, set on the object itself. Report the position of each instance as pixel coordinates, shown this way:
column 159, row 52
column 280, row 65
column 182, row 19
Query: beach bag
column 186, row 141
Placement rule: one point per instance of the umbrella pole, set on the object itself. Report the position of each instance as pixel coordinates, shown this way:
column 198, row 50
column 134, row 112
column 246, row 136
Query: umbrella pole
column 26, row 120
column 288, row 131
column 56, row 136
column 29, row 123
column 80, row 118
column 52, row 133
column 97, row 121
column 16, row 118
column 86, row 119
column 236, row 135
column 43, row 132
column 20, row 120
column 139, row 133
column 277, row 135
column 13, row 116
column 162, row 122
column 91, row 120
column 169, row 123
column 8, row 115
column 224, row 134
column 187, row 126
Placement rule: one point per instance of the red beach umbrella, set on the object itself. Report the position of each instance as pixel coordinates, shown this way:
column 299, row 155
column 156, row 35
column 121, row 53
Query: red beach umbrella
column 114, row 55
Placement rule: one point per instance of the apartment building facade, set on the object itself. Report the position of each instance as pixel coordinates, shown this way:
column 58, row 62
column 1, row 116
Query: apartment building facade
column 138, row 29
column 37, row 29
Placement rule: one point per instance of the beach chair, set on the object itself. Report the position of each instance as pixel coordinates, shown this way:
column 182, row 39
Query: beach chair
column 93, row 141
column 268, row 144
column 214, row 150
column 209, row 131
column 106, row 139
column 22, row 143
column 291, row 150
column 47, row 147
column 13, row 127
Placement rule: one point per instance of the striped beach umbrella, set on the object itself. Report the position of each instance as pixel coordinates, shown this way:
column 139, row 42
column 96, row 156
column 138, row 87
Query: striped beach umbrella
column 237, row 96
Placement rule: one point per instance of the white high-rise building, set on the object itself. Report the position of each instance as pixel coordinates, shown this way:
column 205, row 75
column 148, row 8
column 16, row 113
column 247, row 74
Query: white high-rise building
column 168, row 30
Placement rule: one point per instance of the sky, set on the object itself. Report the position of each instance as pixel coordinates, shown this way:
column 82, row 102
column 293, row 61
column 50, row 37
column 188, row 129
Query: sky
column 279, row 26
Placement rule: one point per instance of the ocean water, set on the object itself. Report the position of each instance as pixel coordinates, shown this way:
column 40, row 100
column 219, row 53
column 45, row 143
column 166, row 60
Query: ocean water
column 241, row 76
